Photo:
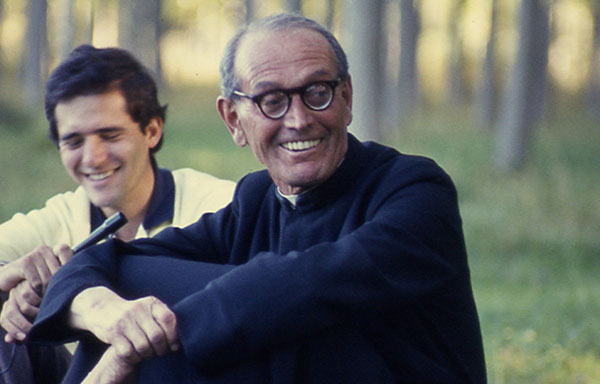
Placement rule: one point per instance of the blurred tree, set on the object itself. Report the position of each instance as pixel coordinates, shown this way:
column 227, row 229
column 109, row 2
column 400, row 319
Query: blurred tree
column 410, row 26
column 487, row 99
column 65, row 35
column 364, row 17
column 524, row 98
column 140, row 31
column 390, row 52
column 35, row 53
column 293, row 6
column 249, row 11
column 594, row 83
column 1, row 47
column 456, row 81
column 330, row 14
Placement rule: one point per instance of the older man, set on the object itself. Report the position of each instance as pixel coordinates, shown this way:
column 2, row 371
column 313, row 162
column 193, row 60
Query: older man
column 342, row 262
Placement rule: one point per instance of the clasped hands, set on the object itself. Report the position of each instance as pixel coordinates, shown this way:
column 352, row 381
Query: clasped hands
column 26, row 279
column 135, row 330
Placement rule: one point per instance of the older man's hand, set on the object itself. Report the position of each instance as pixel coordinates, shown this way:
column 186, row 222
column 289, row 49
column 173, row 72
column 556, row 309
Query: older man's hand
column 111, row 369
column 136, row 329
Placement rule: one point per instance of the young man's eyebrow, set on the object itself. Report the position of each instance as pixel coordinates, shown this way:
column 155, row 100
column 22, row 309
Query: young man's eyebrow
column 95, row 132
column 69, row 136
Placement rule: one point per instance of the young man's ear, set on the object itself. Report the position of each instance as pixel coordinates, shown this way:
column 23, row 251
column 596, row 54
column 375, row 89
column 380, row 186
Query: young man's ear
column 227, row 108
column 154, row 131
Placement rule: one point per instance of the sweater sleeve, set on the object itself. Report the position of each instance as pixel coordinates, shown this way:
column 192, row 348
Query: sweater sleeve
column 63, row 220
column 135, row 269
column 409, row 248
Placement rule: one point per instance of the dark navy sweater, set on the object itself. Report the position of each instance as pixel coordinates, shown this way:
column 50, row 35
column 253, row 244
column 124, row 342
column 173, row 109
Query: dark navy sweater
column 364, row 280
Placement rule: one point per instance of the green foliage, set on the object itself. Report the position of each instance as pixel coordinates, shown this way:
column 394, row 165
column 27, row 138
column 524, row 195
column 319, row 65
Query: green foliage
column 533, row 240
column 533, row 236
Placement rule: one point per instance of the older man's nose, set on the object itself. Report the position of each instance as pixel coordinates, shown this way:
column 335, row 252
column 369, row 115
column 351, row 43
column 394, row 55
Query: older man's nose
column 298, row 116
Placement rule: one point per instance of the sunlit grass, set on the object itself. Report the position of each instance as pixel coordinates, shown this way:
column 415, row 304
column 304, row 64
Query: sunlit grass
column 534, row 243
column 533, row 236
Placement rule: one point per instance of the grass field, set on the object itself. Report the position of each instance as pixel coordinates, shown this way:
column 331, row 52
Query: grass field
column 533, row 236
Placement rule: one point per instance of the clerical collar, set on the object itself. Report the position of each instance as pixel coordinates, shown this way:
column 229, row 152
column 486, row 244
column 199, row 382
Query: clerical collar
column 162, row 203
column 291, row 198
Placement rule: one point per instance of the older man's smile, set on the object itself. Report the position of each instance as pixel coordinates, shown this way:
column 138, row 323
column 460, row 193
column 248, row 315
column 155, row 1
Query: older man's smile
column 301, row 145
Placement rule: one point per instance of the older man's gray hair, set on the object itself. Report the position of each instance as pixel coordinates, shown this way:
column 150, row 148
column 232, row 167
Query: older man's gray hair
column 283, row 21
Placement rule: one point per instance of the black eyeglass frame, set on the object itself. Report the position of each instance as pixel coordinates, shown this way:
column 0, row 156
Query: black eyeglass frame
column 256, row 99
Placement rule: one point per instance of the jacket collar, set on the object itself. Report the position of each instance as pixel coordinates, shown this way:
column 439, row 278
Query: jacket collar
column 162, row 203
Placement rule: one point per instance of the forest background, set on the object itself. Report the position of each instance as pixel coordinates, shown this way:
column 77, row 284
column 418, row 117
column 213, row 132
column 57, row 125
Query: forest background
column 503, row 94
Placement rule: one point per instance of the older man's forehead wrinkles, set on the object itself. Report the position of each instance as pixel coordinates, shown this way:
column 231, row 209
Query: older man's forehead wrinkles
column 267, row 85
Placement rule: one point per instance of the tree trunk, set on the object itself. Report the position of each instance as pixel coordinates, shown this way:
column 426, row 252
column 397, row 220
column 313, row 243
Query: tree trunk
column 524, row 99
column 487, row 98
column 456, row 83
column 249, row 8
column 293, row 6
column 66, row 28
column 594, row 87
column 408, row 77
column 1, row 40
column 35, row 53
column 330, row 14
column 140, row 31
column 365, row 63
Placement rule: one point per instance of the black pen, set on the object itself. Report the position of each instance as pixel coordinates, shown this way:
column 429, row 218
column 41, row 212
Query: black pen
column 110, row 225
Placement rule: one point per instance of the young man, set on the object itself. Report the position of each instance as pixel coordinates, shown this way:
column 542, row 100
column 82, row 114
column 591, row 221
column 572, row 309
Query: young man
column 106, row 120
column 343, row 262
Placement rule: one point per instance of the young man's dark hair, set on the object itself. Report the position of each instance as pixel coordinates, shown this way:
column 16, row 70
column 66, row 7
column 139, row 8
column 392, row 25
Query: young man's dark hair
column 89, row 71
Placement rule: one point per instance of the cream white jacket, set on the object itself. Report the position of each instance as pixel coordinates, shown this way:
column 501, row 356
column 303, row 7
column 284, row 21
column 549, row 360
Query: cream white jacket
column 65, row 219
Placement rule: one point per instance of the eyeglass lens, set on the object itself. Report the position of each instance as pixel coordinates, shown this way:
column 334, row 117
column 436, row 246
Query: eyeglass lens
column 316, row 96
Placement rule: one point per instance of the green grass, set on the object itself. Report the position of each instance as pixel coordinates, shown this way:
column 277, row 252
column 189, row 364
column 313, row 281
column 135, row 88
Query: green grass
column 533, row 236
column 534, row 243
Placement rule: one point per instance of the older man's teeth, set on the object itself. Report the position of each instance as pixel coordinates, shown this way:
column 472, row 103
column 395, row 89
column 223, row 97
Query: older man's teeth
column 300, row 145
column 100, row 176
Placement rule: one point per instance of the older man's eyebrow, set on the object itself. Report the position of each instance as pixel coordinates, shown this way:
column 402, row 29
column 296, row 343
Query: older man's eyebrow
column 269, row 85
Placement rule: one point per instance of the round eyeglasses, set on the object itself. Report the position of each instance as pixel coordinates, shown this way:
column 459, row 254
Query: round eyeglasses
column 275, row 103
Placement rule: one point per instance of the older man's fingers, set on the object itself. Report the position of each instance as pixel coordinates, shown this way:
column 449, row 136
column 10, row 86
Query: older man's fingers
column 167, row 321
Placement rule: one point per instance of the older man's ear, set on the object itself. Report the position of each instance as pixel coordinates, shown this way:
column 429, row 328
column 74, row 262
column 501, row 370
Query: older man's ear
column 227, row 108
column 347, row 94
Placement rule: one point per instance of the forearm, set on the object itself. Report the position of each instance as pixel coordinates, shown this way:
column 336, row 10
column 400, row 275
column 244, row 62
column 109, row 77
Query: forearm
column 91, row 268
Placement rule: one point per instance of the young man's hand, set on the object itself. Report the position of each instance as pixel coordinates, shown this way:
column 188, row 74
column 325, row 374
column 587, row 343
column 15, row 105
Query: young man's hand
column 37, row 267
column 19, row 312
column 26, row 280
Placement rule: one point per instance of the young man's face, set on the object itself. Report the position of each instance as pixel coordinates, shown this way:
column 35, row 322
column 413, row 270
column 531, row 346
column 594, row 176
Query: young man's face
column 304, row 147
column 105, row 151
